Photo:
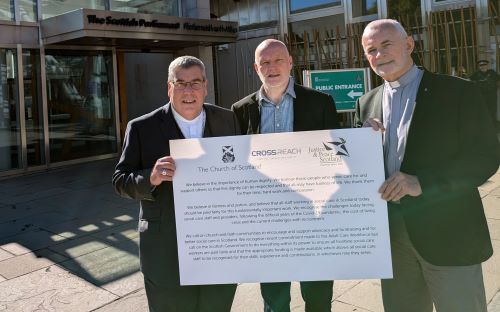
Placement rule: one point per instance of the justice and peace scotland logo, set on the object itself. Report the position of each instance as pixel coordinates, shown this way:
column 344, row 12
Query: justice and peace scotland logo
column 337, row 145
column 332, row 152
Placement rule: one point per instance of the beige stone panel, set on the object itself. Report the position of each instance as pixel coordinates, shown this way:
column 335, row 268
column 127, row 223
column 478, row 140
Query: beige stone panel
column 30, row 262
column 125, row 285
column 134, row 302
column 366, row 295
column 51, row 289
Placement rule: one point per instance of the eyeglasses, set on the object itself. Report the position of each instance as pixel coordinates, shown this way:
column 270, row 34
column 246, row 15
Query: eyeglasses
column 182, row 85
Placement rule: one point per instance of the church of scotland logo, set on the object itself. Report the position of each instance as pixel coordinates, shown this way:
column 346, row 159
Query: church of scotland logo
column 228, row 154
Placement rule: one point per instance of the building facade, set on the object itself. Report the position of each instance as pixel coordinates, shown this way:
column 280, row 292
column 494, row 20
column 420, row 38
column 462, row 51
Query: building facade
column 73, row 73
column 450, row 35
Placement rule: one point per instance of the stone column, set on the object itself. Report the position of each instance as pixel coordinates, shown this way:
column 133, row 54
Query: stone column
column 205, row 55
column 201, row 9
column 483, row 33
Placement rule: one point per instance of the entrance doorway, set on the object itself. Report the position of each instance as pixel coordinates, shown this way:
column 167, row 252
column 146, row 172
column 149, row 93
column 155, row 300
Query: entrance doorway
column 142, row 81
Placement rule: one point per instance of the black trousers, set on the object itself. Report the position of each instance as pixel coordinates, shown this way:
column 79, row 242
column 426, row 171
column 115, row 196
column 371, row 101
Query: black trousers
column 317, row 296
column 204, row 298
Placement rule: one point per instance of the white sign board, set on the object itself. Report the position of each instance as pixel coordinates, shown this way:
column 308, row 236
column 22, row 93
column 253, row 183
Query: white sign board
column 281, row 207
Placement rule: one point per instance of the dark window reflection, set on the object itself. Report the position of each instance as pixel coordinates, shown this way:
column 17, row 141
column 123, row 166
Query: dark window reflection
column 364, row 7
column 52, row 8
column 297, row 6
column 10, row 142
column 168, row 7
column 28, row 10
column 33, row 110
column 7, row 10
column 80, row 104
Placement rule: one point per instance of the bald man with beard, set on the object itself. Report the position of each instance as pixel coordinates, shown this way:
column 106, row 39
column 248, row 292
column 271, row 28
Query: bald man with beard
column 281, row 105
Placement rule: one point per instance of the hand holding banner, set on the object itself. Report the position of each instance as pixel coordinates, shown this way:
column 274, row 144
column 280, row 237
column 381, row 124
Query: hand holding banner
column 281, row 207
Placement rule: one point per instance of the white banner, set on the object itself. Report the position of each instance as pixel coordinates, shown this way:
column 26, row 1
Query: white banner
column 281, row 207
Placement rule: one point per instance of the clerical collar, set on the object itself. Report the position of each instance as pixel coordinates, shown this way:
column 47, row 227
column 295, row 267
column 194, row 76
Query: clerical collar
column 408, row 77
column 184, row 120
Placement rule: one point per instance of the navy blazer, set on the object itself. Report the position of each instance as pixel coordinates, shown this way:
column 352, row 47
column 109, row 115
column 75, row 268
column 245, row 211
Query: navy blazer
column 452, row 148
column 146, row 140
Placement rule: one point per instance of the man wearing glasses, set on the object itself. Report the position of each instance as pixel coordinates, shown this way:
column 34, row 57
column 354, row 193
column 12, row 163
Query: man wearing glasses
column 144, row 172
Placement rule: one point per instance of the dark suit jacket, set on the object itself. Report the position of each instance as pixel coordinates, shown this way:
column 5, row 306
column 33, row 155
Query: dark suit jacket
column 312, row 110
column 146, row 140
column 452, row 149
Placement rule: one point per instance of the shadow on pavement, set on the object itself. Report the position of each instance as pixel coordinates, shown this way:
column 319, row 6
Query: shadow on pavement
column 70, row 217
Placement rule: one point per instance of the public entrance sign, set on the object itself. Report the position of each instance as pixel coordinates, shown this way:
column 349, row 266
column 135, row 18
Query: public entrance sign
column 344, row 85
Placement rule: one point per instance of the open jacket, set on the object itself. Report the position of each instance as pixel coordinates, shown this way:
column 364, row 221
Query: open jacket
column 312, row 110
column 452, row 148
column 146, row 140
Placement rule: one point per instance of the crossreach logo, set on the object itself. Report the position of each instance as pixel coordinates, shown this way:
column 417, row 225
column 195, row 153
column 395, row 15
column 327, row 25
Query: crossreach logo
column 276, row 152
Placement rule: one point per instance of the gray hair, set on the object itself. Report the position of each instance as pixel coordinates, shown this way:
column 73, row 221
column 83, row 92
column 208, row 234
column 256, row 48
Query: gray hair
column 185, row 62
column 385, row 24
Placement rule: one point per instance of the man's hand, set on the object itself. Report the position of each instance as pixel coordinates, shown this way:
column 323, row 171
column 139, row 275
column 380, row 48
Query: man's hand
column 399, row 185
column 163, row 170
column 375, row 124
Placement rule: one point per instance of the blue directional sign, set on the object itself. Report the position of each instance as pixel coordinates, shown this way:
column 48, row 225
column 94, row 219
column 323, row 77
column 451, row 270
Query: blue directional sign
column 345, row 85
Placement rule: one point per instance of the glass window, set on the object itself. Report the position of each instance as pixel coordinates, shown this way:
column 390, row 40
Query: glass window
column 56, row 7
column 33, row 110
column 7, row 10
column 409, row 8
column 364, row 7
column 10, row 139
column 493, row 10
column 245, row 12
column 306, row 5
column 168, row 7
column 80, row 104
column 27, row 10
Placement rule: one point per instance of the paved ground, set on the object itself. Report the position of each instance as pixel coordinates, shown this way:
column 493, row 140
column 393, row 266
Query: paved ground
column 68, row 243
